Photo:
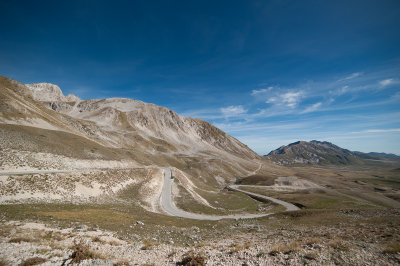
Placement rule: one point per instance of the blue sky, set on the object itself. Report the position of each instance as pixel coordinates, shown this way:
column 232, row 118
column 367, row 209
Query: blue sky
column 266, row 72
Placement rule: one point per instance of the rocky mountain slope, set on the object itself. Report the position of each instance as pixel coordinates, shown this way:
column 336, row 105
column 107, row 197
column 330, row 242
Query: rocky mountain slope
column 40, row 124
column 126, row 116
column 319, row 152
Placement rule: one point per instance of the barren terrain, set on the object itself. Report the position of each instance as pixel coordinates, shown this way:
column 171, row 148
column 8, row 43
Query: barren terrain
column 122, row 182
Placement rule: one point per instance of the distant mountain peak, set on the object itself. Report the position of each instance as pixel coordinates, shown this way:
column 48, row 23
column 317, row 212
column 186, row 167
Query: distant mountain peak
column 386, row 155
column 47, row 92
column 312, row 152
column 321, row 152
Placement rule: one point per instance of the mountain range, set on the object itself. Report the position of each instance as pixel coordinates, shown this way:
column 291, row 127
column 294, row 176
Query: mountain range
column 40, row 118
column 322, row 152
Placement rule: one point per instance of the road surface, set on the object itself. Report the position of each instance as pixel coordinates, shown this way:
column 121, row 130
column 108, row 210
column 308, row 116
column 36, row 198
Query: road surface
column 287, row 205
column 166, row 200
column 168, row 205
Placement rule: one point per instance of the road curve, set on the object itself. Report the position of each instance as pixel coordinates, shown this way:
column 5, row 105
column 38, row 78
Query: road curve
column 287, row 205
column 168, row 205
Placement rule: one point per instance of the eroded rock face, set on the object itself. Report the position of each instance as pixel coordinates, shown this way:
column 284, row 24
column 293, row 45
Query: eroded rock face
column 47, row 92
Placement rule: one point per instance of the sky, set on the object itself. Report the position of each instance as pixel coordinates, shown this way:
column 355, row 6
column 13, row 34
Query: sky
column 267, row 72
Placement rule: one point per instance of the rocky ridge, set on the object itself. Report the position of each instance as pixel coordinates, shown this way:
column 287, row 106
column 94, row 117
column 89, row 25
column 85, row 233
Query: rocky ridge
column 49, row 92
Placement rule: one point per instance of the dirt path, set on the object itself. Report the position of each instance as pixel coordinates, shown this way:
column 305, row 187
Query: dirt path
column 258, row 169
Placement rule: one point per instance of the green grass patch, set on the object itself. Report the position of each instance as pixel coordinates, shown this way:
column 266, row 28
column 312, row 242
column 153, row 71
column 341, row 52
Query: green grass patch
column 391, row 182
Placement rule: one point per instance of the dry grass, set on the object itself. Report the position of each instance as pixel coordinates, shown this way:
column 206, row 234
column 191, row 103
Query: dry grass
column 121, row 263
column 42, row 251
column 4, row 262
column 312, row 255
column 101, row 241
column 50, row 235
column 98, row 215
column 21, row 239
column 338, row 244
column 263, row 180
column 237, row 248
column 392, row 248
column 33, row 261
column 147, row 244
column 114, row 243
column 312, row 240
column 4, row 233
column 285, row 248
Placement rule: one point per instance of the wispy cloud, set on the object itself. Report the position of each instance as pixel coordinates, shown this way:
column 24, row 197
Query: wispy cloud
column 345, row 112
column 312, row 108
column 340, row 91
column 352, row 76
column 390, row 130
column 386, row 82
column 260, row 126
column 290, row 99
column 261, row 91
column 233, row 110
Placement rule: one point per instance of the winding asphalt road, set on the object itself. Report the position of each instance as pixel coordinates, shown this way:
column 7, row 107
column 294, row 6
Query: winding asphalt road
column 287, row 205
column 166, row 200
column 168, row 205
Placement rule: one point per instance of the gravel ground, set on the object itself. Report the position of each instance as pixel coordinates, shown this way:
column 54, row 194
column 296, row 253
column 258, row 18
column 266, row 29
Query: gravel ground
column 21, row 241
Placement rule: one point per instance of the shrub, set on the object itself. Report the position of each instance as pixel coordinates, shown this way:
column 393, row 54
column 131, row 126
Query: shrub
column 192, row 260
column 82, row 252
column 20, row 239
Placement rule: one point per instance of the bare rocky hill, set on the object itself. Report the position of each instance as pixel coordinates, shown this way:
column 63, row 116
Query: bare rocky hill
column 320, row 152
column 144, row 120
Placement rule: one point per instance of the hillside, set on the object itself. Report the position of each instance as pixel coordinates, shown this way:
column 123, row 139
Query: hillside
column 322, row 153
column 42, row 129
